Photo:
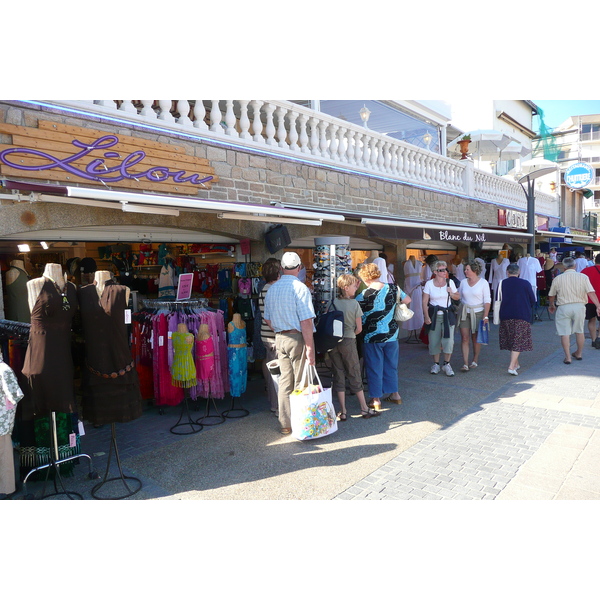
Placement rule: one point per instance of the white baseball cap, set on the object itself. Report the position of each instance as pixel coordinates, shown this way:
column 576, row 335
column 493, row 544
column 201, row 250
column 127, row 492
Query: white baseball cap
column 290, row 260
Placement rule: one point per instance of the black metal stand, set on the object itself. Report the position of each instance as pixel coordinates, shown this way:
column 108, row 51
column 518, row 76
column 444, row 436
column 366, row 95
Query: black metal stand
column 54, row 465
column 242, row 412
column 209, row 419
column 185, row 420
column 409, row 339
column 122, row 478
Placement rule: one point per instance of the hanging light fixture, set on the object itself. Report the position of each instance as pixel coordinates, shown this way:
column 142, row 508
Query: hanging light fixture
column 427, row 139
column 365, row 113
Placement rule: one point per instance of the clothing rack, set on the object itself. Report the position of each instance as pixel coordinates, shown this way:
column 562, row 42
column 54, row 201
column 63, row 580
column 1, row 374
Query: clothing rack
column 175, row 304
column 21, row 331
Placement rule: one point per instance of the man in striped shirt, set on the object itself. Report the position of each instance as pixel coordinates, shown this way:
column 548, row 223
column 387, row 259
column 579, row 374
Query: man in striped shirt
column 568, row 296
column 290, row 314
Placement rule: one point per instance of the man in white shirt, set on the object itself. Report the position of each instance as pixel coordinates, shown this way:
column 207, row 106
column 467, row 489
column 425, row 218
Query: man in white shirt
column 568, row 296
column 580, row 262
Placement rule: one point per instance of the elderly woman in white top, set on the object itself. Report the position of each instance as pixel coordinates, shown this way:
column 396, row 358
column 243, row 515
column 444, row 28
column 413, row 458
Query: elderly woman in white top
column 475, row 301
column 438, row 294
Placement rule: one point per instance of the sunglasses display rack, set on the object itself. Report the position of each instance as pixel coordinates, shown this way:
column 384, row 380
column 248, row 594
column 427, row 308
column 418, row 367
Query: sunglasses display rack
column 331, row 258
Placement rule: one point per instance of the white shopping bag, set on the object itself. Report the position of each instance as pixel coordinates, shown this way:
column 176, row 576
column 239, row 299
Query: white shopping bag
column 312, row 412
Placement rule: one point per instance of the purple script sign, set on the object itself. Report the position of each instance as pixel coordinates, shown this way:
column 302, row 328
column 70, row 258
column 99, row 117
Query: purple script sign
column 96, row 169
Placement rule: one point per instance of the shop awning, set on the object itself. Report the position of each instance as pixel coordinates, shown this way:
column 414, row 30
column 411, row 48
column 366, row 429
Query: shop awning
column 464, row 234
column 168, row 205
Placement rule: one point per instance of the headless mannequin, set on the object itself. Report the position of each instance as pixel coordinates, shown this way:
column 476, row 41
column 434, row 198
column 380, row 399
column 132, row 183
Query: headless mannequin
column 13, row 272
column 236, row 323
column 53, row 272
column 203, row 333
column 182, row 328
column 372, row 256
column 100, row 279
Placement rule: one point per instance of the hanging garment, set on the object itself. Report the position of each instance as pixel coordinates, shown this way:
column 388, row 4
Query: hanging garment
column 412, row 286
column 237, row 358
column 10, row 394
column 17, row 307
column 165, row 393
column 183, row 370
column 48, row 363
column 110, row 385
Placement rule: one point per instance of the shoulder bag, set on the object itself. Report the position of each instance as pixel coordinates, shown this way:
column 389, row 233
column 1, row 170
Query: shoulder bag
column 402, row 312
column 497, row 304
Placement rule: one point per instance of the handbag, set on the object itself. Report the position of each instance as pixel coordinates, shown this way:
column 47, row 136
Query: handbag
column 497, row 305
column 402, row 312
column 312, row 412
column 483, row 333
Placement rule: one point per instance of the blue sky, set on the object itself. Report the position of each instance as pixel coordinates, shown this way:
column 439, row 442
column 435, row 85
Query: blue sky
column 557, row 111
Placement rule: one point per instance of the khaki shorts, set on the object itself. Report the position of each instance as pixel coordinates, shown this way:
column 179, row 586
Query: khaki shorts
column 466, row 324
column 570, row 318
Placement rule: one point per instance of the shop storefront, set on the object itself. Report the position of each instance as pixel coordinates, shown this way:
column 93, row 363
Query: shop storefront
column 146, row 208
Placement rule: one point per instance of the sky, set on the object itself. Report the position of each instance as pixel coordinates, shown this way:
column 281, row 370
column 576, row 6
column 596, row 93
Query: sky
column 557, row 111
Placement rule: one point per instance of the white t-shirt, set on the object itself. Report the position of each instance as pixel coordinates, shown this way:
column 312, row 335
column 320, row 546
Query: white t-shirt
column 478, row 294
column 438, row 296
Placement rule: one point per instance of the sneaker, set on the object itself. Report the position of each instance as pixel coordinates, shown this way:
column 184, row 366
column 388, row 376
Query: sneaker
column 448, row 370
column 435, row 369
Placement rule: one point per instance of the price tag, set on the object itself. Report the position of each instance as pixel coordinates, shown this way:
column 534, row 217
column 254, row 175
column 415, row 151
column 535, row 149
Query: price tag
column 161, row 340
column 72, row 440
column 80, row 427
column 127, row 316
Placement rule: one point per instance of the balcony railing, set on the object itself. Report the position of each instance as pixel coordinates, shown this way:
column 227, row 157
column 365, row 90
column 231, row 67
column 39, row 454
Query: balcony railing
column 292, row 130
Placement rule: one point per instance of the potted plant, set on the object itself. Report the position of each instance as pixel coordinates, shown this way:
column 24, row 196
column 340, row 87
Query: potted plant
column 463, row 143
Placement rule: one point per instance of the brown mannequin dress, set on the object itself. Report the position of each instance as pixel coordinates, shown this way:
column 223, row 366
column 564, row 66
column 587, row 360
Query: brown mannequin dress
column 48, row 362
column 110, row 385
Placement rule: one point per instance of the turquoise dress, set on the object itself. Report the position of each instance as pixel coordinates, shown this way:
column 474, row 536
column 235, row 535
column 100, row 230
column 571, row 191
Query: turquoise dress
column 238, row 361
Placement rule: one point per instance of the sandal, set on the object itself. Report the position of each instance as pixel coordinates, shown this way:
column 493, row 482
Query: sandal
column 397, row 400
column 342, row 417
column 367, row 414
column 286, row 431
column 473, row 365
column 464, row 368
column 374, row 403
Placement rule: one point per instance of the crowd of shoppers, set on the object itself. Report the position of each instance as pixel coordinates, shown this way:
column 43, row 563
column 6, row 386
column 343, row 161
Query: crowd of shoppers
column 369, row 347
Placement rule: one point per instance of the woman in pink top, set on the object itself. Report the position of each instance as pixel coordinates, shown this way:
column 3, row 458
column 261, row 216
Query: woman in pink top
column 475, row 299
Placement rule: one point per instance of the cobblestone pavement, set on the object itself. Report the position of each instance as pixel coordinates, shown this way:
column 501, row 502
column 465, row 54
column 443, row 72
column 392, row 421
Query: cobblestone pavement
column 481, row 435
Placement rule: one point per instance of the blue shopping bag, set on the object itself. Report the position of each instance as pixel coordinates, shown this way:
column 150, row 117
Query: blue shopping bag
column 483, row 333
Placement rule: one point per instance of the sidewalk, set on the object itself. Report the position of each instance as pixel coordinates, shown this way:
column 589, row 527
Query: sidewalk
column 479, row 435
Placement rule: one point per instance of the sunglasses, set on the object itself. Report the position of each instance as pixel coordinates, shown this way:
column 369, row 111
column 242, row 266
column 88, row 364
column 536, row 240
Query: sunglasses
column 441, row 270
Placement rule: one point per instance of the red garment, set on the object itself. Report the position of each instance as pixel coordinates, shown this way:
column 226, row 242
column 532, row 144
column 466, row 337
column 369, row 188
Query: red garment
column 594, row 274
column 165, row 393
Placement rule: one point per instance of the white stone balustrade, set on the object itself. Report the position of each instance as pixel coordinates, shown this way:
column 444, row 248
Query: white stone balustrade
column 290, row 130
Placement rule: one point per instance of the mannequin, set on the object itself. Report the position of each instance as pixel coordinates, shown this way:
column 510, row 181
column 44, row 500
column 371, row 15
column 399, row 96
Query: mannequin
column 183, row 370
column 48, row 364
column 381, row 265
column 205, row 353
column 110, row 384
column 413, row 272
column 237, row 354
column 372, row 256
column 100, row 279
column 529, row 267
column 17, row 304
column 497, row 273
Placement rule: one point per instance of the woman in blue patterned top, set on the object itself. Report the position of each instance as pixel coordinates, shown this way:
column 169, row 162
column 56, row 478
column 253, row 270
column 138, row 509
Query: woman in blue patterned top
column 380, row 342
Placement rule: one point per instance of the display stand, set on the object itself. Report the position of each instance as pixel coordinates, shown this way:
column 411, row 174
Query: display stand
column 413, row 338
column 209, row 419
column 122, row 478
column 242, row 412
column 54, row 465
column 332, row 258
column 185, row 420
